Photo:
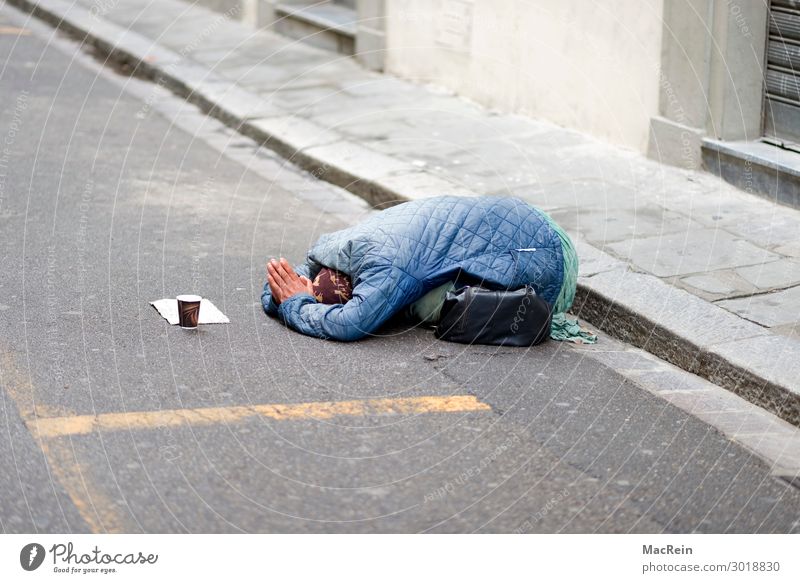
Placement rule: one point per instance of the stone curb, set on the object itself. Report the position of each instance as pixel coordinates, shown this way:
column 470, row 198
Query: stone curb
column 679, row 328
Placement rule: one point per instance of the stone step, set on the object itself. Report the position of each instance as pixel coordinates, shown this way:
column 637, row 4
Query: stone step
column 327, row 26
column 756, row 167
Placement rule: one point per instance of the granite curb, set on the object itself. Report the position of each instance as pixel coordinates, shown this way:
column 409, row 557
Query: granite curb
column 680, row 328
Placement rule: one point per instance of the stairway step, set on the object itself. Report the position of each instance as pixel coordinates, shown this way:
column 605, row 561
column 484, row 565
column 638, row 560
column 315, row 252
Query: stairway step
column 327, row 26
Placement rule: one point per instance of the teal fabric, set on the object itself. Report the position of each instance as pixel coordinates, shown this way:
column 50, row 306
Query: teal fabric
column 562, row 328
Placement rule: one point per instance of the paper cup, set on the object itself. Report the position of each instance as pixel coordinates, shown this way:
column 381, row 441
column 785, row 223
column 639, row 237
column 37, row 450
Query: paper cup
column 188, row 311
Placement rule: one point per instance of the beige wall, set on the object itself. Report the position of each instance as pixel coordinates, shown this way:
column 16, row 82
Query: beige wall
column 585, row 64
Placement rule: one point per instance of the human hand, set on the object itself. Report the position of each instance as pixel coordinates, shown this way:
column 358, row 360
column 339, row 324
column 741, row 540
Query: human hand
column 284, row 282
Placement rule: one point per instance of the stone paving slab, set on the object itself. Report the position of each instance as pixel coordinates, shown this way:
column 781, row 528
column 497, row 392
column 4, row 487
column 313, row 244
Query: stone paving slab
column 717, row 285
column 774, row 309
column 784, row 273
column 675, row 253
column 594, row 261
column 601, row 226
column 430, row 142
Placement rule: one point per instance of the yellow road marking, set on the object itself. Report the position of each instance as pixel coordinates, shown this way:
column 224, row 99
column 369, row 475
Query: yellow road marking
column 98, row 510
column 83, row 424
column 79, row 479
column 14, row 30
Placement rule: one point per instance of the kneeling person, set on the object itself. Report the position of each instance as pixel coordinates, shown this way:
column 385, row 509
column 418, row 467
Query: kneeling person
column 408, row 256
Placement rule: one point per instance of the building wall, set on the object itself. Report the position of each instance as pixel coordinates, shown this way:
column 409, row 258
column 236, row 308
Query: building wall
column 235, row 8
column 252, row 12
column 712, row 77
column 591, row 66
column 659, row 76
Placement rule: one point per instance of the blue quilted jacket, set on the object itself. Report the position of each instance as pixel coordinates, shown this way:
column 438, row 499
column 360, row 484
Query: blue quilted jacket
column 399, row 254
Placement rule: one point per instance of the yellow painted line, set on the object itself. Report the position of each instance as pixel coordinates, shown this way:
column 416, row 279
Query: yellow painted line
column 14, row 30
column 85, row 483
column 84, row 424
column 99, row 511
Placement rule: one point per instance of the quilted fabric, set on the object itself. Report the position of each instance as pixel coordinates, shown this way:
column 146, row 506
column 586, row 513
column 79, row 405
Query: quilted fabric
column 399, row 254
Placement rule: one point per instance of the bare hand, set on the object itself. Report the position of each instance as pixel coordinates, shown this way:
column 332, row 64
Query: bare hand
column 284, row 282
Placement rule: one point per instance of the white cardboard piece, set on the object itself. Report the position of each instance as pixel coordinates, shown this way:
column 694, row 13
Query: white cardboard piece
column 209, row 313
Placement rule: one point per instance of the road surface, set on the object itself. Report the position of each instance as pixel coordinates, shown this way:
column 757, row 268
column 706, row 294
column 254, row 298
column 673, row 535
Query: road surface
column 114, row 194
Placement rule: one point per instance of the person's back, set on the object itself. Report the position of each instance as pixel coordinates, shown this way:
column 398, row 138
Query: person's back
column 399, row 254
column 498, row 240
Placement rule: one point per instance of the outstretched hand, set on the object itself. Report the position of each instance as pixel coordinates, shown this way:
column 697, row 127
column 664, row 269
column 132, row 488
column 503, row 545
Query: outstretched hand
column 284, row 282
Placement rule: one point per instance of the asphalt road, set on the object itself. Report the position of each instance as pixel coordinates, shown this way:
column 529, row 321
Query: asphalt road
column 106, row 205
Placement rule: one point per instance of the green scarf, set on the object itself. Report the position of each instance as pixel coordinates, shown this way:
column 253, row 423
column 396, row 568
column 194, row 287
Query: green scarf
column 562, row 328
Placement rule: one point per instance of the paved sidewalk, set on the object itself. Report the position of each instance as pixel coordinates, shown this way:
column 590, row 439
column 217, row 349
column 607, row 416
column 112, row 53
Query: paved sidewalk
column 679, row 263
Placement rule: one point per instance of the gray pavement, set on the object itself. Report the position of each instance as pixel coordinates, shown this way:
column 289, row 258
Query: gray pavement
column 687, row 237
column 114, row 193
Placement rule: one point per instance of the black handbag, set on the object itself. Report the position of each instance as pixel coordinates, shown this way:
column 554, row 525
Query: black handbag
column 476, row 315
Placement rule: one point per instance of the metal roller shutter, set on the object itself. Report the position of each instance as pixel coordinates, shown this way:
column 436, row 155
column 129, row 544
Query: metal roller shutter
column 782, row 83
